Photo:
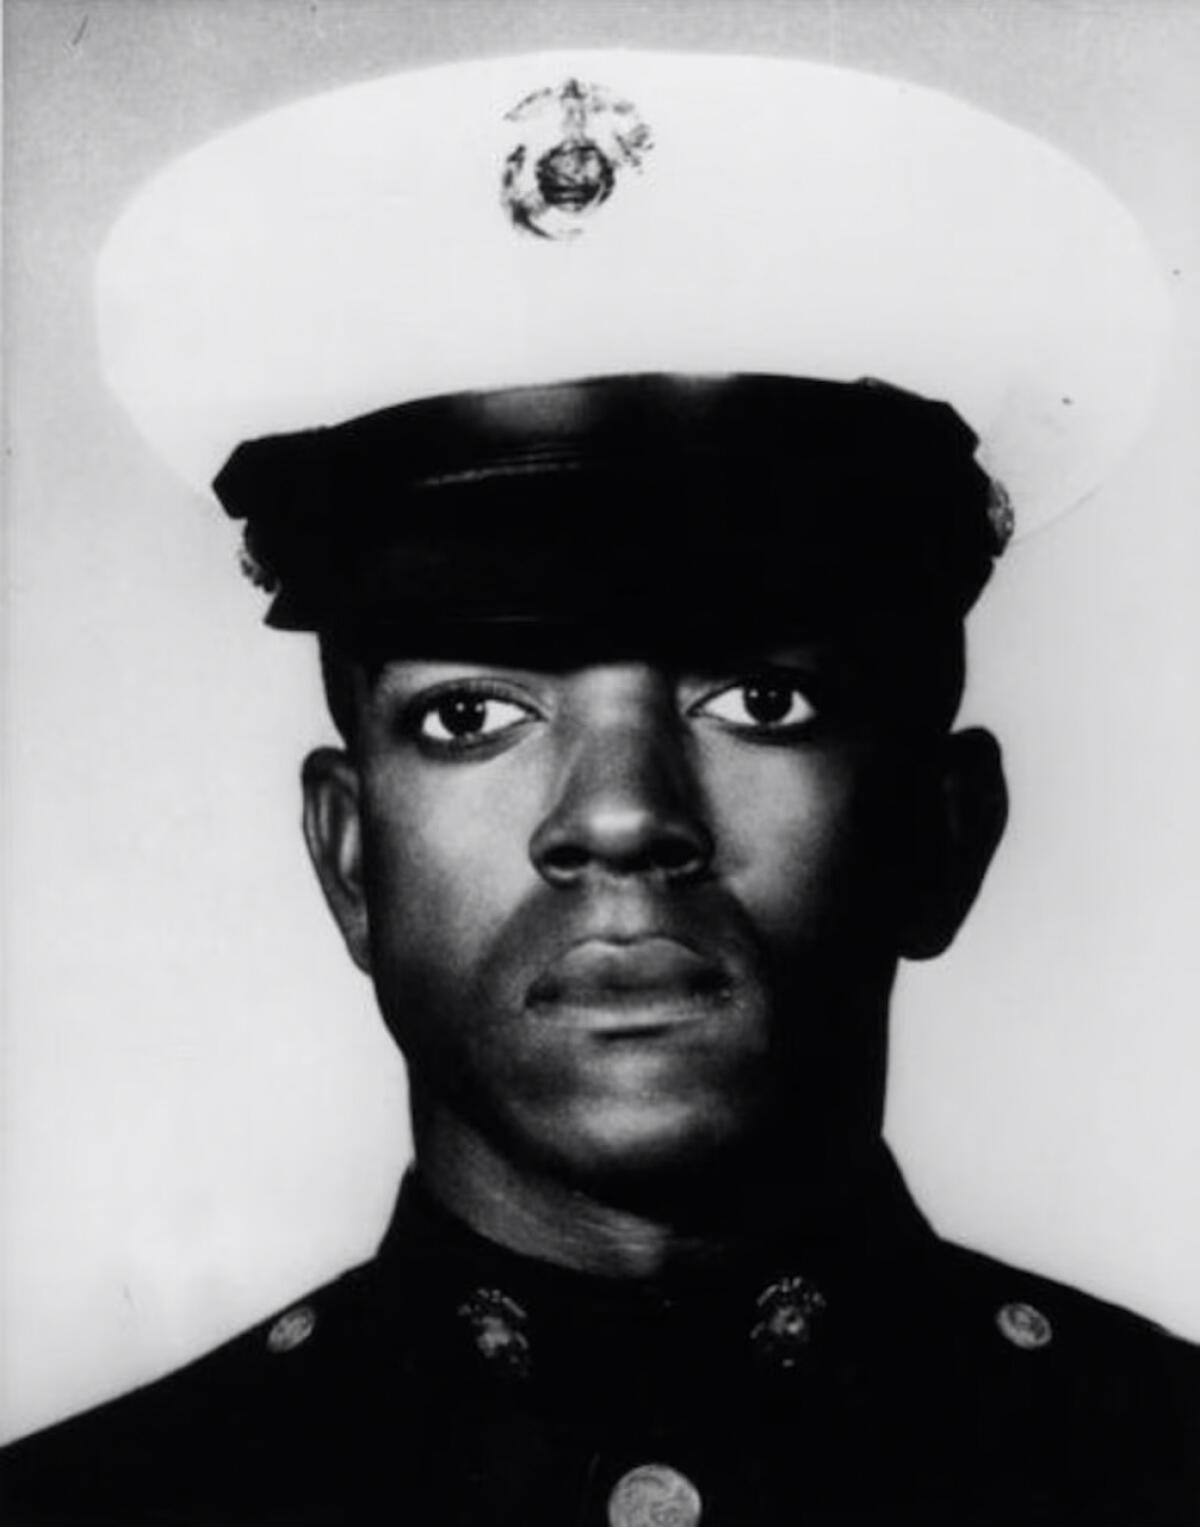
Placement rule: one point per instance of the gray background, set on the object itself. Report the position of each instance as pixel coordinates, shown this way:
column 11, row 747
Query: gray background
column 202, row 1116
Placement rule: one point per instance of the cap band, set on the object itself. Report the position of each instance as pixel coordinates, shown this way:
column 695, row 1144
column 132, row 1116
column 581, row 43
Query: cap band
column 650, row 493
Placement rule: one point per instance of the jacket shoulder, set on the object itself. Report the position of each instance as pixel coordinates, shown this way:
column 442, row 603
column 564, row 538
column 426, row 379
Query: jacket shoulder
column 1034, row 1313
column 224, row 1413
column 1084, row 1393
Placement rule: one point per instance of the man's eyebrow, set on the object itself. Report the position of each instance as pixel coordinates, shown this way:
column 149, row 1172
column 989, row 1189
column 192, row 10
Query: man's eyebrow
column 404, row 669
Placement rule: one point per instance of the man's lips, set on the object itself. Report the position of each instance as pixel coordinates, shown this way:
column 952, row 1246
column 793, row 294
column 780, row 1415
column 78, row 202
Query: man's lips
column 605, row 973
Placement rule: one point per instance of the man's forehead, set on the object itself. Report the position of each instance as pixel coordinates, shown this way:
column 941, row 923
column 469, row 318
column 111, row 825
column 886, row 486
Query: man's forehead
column 835, row 641
column 543, row 648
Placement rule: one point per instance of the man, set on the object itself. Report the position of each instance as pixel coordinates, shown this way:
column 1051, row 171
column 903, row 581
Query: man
column 635, row 433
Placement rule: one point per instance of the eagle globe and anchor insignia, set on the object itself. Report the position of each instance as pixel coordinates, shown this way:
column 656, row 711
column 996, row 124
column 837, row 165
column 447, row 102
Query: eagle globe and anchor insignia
column 577, row 139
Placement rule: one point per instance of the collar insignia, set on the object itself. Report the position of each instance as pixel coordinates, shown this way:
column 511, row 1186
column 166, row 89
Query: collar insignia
column 788, row 1311
column 500, row 1331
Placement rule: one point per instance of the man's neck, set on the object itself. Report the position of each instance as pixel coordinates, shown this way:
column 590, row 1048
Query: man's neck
column 631, row 1230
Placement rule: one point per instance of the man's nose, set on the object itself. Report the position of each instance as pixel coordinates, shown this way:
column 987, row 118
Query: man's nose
column 628, row 804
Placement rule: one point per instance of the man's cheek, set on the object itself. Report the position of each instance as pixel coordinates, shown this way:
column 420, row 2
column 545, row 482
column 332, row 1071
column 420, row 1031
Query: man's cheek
column 408, row 884
column 805, row 920
column 790, row 869
column 448, row 837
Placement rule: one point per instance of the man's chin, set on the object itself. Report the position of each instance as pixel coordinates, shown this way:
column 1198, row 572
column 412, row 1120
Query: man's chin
column 631, row 1147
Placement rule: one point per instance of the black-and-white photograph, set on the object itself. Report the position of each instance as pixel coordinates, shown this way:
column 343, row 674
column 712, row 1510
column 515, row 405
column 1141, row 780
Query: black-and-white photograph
column 601, row 696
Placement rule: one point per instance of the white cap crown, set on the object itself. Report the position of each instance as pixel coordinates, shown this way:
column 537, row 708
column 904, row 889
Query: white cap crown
column 526, row 220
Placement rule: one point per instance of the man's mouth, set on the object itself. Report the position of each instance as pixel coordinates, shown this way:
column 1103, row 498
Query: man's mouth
column 655, row 978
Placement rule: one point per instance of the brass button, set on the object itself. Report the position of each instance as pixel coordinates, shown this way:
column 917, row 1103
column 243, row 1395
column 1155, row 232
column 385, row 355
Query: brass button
column 1025, row 1326
column 292, row 1329
column 654, row 1495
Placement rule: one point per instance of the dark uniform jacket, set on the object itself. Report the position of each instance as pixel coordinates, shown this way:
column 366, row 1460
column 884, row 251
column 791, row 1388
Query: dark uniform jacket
column 873, row 1374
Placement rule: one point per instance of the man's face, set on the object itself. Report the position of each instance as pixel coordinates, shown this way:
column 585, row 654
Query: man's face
column 628, row 915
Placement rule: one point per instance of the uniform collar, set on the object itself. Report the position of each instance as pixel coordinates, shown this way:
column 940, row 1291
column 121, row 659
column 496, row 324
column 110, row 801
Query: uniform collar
column 779, row 1313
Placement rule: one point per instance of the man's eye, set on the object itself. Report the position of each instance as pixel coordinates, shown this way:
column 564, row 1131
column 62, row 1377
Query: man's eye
column 464, row 717
column 760, row 705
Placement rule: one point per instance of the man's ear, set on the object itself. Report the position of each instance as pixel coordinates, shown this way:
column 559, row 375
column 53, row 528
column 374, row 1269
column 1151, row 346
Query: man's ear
column 953, row 842
column 333, row 832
